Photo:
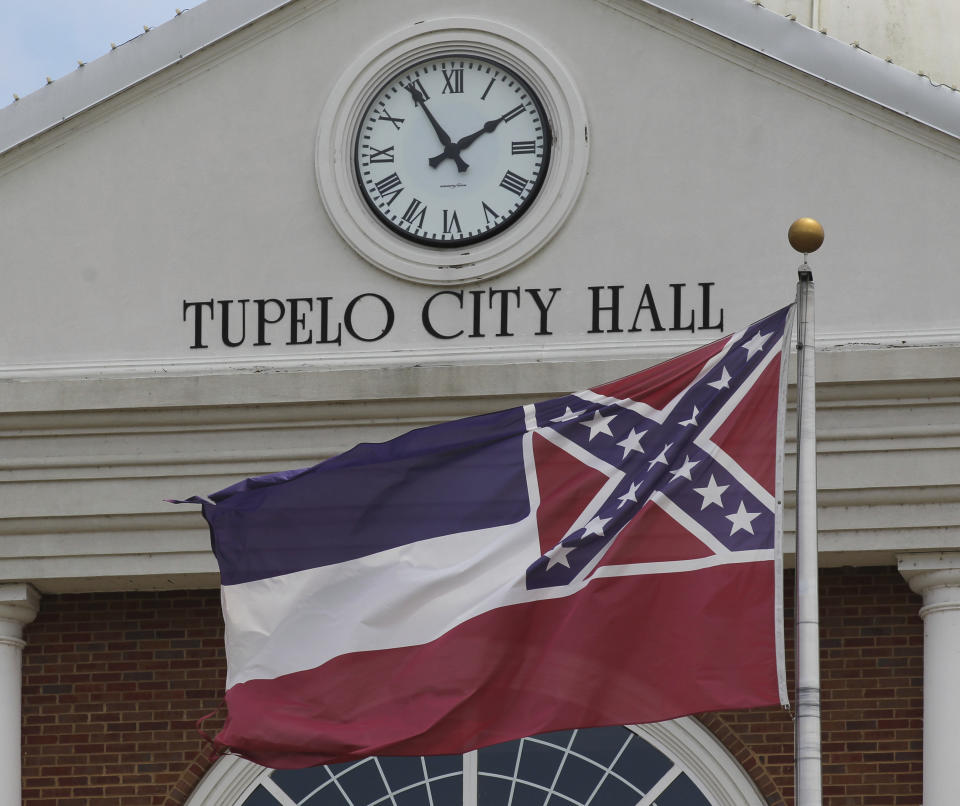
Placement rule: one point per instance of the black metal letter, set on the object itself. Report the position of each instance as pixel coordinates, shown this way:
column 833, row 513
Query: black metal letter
column 504, row 302
column 298, row 320
column 263, row 320
column 704, row 322
column 425, row 315
column 647, row 303
column 225, row 321
column 197, row 326
column 324, row 321
column 544, row 309
column 614, row 309
column 677, row 295
column 348, row 318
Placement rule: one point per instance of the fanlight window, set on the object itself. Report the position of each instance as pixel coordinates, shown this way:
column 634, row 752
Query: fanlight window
column 613, row 766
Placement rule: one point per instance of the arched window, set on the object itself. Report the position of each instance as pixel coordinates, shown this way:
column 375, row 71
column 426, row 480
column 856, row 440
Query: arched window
column 669, row 764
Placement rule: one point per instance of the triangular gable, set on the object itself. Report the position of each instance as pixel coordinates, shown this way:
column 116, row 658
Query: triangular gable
column 741, row 21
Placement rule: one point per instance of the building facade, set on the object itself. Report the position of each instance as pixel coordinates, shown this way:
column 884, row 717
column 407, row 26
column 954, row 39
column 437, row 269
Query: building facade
column 210, row 273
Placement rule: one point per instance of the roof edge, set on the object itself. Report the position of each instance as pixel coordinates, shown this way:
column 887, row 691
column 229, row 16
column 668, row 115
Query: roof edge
column 119, row 69
column 848, row 67
column 745, row 22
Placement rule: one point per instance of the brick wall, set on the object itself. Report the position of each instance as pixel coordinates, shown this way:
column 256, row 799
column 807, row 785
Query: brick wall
column 871, row 672
column 114, row 683
column 113, row 686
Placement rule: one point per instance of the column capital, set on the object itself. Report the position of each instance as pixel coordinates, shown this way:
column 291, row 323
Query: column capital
column 935, row 575
column 19, row 605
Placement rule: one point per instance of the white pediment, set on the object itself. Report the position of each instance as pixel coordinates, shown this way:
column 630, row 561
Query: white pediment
column 134, row 229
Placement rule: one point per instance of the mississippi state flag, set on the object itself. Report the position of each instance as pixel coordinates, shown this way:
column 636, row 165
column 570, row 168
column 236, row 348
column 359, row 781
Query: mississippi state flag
column 608, row 557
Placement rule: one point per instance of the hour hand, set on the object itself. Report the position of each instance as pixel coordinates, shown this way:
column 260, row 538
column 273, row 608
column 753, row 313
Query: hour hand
column 449, row 149
column 455, row 149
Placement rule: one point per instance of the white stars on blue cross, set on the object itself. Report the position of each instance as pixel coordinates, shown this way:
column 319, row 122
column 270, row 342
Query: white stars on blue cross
column 632, row 442
column 662, row 458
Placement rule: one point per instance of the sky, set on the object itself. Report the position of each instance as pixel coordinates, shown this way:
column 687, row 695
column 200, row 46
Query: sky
column 40, row 38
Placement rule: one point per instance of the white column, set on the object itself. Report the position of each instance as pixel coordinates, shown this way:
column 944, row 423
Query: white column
column 19, row 603
column 936, row 577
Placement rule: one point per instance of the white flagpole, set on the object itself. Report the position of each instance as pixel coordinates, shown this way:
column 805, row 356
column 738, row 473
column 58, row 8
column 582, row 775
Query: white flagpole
column 805, row 236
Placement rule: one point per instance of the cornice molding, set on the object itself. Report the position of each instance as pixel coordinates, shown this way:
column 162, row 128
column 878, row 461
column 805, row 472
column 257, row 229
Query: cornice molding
column 883, row 373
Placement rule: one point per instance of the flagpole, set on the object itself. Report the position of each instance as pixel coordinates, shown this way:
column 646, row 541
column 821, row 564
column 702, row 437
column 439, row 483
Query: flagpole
column 805, row 236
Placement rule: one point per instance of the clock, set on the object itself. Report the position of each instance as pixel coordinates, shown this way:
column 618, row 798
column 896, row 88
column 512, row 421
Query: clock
column 452, row 150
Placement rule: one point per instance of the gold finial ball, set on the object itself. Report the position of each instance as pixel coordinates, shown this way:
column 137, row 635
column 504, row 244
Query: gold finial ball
column 805, row 235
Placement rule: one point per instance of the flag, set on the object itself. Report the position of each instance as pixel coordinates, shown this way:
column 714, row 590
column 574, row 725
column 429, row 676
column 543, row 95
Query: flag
column 607, row 557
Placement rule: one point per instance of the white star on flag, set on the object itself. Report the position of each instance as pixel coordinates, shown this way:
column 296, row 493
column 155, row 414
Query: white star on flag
column 755, row 345
column 711, row 493
column 693, row 418
column 685, row 470
column 629, row 495
column 599, row 425
column 558, row 555
column 569, row 414
column 661, row 459
column 741, row 519
column 724, row 381
column 632, row 442
column 595, row 527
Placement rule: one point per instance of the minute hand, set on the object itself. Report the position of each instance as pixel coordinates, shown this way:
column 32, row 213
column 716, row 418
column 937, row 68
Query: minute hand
column 453, row 150
column 419, row 100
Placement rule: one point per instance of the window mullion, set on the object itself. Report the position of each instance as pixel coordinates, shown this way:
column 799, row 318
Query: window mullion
column 282, row 797
column 470, row 778
column 656, row 790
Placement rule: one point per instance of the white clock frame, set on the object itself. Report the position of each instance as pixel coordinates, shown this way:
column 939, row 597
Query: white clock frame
column 348, row 100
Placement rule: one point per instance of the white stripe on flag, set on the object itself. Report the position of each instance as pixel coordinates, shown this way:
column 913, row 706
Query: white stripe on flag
column 401, row 597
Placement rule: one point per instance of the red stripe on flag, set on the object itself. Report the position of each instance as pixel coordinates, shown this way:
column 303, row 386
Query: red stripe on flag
column 658, row 385
column 624, row 650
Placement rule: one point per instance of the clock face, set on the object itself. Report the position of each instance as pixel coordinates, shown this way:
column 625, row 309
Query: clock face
column 452, row 150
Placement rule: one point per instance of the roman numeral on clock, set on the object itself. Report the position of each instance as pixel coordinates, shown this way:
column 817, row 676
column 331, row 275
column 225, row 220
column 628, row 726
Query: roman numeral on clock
column 523, row 147
column 390, row 185
column 383, row 154
column 513, row 183
column 415, row 213
column 489, row 213
column 452, row 80
column 451, row 223
column 416, row 89
column 385, row 115
column 513, row 113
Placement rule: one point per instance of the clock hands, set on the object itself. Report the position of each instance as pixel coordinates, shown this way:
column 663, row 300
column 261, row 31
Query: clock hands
column 448, row 145
column 452, row 150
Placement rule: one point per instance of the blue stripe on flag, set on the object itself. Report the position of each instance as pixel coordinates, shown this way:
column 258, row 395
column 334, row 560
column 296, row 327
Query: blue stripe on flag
column 448, row 478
